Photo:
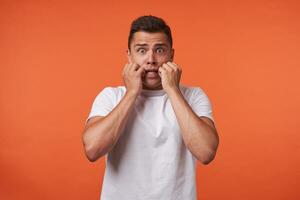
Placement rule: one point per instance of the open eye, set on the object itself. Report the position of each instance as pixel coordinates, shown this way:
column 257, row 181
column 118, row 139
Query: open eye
column 141, row 50
column 160, row 50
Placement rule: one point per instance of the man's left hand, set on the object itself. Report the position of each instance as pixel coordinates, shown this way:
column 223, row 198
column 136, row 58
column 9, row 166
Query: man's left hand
column 170, row 74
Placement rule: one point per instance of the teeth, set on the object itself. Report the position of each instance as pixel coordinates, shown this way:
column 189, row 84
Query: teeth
column 152, row 71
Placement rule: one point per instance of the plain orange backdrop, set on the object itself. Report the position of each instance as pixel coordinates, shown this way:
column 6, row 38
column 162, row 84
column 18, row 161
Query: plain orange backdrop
column 56, row 56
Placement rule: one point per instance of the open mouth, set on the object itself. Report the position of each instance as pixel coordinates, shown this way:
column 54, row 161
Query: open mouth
column 152, row 70
column 152, row 73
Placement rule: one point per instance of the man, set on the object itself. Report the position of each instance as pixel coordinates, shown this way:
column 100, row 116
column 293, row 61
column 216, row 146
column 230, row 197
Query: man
column 154, row 129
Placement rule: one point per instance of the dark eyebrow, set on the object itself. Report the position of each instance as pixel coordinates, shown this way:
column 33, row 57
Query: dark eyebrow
column 161, row 44
column 156, row 45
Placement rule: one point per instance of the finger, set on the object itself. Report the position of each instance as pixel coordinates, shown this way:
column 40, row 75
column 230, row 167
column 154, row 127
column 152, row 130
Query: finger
column 134, row 67
column 140, row 70
column 130, row 67
column 161, row 70
column 167, row 67
column 178, row 67
column 164, row 66
column 125, row 69
column 174, row 66
column 173, row 63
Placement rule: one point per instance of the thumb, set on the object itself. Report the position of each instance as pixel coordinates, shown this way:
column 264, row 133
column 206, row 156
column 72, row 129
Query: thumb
column 141, row 71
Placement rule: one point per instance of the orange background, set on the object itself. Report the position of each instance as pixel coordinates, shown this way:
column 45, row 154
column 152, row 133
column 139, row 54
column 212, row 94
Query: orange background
column 55, row 56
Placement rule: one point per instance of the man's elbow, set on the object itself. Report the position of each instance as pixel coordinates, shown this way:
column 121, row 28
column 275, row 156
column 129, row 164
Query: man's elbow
column 91, row 153
column 206, row 159
column 207, row 156
column 91, row 158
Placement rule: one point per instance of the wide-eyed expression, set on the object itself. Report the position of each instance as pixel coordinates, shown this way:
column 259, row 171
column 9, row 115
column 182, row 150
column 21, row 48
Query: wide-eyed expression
column 150, row 51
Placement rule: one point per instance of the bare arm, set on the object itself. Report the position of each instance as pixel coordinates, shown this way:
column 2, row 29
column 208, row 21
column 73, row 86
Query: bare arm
column 102, row 133
column 199, row 133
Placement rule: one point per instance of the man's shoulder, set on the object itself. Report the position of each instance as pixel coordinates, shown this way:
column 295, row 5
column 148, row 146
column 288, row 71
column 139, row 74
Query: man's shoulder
column 191, row 90
column 112, row 92
column 114, row 89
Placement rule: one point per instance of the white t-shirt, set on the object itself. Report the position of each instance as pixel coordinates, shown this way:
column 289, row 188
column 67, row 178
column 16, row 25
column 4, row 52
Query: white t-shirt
column 150, row 160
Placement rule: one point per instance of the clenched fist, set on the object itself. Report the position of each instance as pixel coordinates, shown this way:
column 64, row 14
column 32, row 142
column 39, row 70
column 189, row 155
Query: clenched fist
column 170, row 74
column 132, row 76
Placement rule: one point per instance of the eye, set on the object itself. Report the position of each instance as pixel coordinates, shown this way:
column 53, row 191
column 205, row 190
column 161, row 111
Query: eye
column 141, row 50
column 160, row 50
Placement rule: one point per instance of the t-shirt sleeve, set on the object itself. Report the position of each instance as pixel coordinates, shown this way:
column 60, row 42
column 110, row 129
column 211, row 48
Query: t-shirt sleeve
column 201, row 104
column 103, row 103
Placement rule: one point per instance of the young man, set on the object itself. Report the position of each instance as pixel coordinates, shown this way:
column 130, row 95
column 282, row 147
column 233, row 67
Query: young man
column 152, row 129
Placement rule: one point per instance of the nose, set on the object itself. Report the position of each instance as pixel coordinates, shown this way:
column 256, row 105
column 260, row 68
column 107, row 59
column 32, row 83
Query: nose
column 151, row 58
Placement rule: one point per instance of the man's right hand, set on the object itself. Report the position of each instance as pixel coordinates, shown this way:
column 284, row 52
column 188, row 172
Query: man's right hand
column 102, row 133
column 132, row 76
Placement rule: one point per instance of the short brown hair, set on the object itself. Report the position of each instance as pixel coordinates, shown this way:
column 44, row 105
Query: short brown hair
column 150, row 24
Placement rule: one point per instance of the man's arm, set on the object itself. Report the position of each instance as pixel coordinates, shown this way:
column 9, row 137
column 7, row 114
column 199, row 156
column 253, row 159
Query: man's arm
column 199, row 133
column 102, row 133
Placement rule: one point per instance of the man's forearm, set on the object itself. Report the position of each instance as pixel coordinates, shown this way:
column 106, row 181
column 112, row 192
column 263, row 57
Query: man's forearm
column 100, row 137
column 200, row 137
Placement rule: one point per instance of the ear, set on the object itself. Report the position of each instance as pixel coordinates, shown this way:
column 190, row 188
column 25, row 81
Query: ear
column 129, row 56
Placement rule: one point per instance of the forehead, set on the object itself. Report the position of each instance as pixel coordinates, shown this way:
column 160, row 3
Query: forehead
column 150, row 39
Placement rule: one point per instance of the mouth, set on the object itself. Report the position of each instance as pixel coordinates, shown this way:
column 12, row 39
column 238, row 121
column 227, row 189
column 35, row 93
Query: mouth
column 151, row 73
column 151, row 70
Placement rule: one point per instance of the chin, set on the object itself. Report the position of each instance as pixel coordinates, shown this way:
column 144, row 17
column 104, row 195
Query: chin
column 152, row 86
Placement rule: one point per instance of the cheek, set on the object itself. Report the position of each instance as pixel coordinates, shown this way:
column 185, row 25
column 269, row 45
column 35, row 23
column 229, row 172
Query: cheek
column 138, row 60
column 163, row 59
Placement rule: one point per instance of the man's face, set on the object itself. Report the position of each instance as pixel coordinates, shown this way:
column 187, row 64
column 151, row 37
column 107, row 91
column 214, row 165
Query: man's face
column 150, row 51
